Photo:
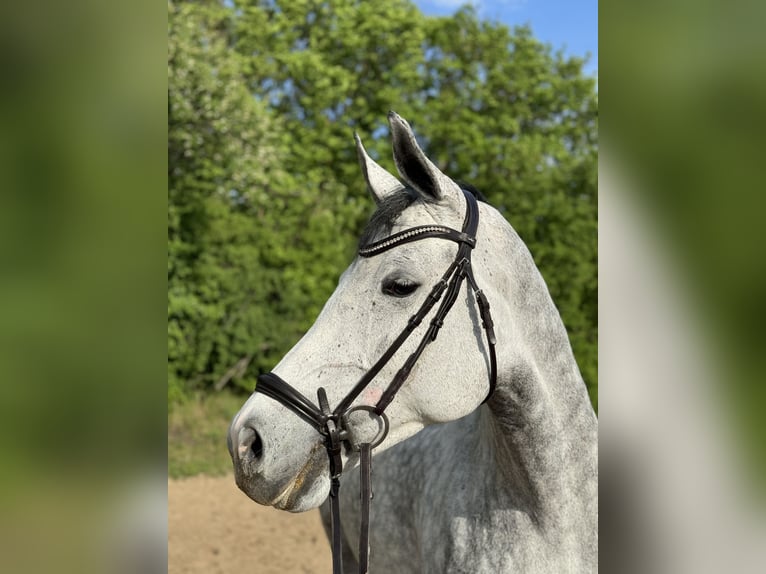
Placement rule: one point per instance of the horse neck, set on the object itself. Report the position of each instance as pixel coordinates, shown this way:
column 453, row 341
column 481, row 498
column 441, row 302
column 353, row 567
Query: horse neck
column 540, row 421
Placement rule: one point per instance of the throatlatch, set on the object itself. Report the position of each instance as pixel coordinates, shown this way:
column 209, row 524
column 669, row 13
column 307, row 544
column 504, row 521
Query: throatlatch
column 334, row 425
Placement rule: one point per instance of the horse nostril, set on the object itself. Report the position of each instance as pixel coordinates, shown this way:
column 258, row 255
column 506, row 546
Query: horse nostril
column 257, row 446
column 250, row 444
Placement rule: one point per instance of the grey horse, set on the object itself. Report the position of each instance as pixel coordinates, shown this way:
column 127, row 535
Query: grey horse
column 461, row 485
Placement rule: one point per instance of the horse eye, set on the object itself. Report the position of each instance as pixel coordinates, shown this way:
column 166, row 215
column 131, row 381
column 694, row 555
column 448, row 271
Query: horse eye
column 399, row 287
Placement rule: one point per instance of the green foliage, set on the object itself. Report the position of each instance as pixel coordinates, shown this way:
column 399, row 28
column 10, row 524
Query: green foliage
column 266, row 198
column 243, row 282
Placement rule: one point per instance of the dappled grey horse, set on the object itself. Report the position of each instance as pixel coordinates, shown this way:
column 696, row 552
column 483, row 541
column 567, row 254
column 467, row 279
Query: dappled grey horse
column 484, row 439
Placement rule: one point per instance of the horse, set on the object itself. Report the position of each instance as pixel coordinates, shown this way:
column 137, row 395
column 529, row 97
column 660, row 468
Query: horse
column 484, row 461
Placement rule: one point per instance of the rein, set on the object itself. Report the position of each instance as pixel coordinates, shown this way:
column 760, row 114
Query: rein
column 333, row 425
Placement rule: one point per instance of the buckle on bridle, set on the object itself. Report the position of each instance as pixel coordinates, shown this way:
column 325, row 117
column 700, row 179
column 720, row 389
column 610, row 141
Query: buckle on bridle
column 331, row 430
column 379, row 417
column 337, row 431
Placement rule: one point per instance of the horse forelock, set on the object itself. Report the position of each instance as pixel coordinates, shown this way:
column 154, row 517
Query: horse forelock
column 391, row 207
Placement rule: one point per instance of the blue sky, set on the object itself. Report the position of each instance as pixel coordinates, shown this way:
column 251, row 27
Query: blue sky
column 571, row 25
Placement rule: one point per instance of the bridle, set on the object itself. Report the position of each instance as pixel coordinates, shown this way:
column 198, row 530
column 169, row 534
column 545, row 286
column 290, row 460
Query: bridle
column 333, row 425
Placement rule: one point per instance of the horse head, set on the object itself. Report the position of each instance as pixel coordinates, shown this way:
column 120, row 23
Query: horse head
column 282, row 461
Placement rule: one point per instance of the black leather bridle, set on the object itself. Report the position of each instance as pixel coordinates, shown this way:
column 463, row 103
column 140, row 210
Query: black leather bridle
column 333, row 425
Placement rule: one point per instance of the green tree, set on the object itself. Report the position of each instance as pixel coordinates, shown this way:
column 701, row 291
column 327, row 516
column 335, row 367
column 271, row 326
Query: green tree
column 242, row 281
column 328, row 69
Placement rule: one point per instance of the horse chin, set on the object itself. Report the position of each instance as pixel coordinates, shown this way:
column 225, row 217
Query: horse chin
column 300, row 498
column 306, row 490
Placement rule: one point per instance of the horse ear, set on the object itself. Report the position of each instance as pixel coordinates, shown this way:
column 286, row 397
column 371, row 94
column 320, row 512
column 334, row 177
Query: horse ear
column 380, row 183
column 413, row 165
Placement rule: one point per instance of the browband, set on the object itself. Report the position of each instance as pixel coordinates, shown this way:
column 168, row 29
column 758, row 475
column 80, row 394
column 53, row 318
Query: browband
column 414, row 234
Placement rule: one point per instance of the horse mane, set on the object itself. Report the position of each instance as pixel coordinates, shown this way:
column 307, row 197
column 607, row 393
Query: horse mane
column 391, row 207
column 472, row 189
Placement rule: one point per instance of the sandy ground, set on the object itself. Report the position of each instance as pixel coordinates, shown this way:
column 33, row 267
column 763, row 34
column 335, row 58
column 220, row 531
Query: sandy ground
column 213, row 528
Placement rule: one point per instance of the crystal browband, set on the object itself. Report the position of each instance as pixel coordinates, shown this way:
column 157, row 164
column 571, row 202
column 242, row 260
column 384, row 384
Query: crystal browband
column 413, row 234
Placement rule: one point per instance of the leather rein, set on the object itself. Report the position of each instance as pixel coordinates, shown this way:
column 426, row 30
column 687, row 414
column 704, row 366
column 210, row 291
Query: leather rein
column 333, row 425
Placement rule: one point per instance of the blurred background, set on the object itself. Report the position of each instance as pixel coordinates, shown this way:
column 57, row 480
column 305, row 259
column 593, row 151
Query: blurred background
column 682, row 279
column 154, row 259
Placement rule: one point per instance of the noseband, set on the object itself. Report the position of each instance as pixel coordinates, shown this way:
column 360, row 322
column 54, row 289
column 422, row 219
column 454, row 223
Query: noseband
column 333, row 425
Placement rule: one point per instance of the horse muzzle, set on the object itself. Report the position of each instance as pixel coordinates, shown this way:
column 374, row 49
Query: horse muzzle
column 289, row 474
